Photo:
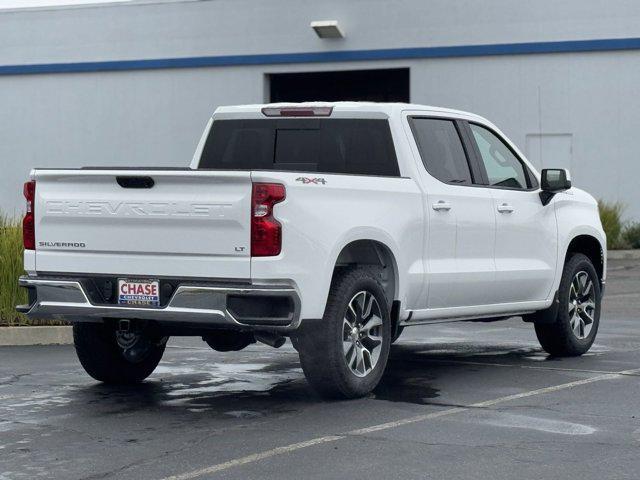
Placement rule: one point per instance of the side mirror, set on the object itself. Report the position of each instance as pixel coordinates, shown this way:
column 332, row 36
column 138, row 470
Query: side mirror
column 552, row 181
column 555, row 180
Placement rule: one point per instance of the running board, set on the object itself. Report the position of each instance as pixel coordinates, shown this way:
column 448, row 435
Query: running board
column 469, row 318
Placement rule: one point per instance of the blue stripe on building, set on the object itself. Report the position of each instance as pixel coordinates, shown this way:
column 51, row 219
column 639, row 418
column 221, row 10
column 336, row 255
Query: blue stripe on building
column 331, row 56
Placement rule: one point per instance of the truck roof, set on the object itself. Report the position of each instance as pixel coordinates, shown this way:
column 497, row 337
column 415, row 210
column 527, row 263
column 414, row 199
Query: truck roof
column 386, row 108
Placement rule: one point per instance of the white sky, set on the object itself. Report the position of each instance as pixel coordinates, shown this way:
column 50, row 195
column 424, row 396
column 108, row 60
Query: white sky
column 48, row 3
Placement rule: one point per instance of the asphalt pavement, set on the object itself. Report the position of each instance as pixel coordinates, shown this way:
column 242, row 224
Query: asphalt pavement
column 458, row 400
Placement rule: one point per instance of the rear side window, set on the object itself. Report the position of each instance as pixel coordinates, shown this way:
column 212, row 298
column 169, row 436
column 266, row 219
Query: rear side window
column 351, row 146
column 441, row 150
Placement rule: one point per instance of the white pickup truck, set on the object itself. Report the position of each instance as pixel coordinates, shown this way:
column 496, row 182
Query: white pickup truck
column 334, row 224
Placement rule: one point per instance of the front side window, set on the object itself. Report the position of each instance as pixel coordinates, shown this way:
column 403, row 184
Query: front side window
column 503, row 168
column 441, row 150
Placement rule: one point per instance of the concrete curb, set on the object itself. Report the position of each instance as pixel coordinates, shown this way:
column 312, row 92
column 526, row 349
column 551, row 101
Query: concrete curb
column 623, row 254
column 35, row 336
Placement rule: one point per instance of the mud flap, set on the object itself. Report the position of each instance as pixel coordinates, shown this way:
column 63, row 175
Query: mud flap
column 547, row 316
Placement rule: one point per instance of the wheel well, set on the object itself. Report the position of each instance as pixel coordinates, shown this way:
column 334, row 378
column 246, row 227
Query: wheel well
column 589, row 246
column 375, row 254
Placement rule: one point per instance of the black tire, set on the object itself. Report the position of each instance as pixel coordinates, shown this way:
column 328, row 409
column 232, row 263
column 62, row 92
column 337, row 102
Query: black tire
column 557, row 337
column 103, row 359
column 320, row 342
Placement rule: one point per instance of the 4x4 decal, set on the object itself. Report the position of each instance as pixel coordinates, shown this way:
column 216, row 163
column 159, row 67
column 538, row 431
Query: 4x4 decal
column 307, row 180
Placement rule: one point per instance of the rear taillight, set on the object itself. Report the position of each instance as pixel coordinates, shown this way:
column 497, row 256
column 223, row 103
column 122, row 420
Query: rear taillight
column 266, row 231
column 28, row 222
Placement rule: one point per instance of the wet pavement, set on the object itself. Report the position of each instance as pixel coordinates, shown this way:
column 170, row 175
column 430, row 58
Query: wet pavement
column 461, row 400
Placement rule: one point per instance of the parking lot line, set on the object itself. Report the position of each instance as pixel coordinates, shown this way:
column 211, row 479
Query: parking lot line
column 622, row 295
column 184, row 347
column 256, row 457
column 530, row 367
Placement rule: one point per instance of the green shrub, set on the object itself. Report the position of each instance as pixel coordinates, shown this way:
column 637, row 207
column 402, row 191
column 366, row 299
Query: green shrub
column 611, row 217
column 10, row 270
column 631, row 235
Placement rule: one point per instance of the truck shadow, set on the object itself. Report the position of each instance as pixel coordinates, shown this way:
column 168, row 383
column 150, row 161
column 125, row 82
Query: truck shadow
column 414, row 368
column 252, row 390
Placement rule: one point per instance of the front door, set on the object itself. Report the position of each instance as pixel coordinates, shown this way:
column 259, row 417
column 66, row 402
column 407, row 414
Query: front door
column 526, row 231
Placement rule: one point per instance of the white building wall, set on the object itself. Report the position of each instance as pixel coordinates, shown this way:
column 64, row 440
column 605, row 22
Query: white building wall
column 583, row 104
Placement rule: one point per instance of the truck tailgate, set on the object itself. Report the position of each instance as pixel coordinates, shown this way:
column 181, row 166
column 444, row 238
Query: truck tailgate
column 178, row 223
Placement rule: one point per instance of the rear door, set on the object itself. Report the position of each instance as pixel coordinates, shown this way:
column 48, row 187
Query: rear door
column 461, row 224
column 178, row 223
column 526, row 231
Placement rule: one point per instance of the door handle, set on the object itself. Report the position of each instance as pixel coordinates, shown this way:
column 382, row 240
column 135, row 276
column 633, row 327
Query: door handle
column 505, row 208
column 441, row 206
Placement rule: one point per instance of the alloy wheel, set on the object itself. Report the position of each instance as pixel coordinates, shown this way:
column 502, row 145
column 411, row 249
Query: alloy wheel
column 362, row 333
column 582, row 305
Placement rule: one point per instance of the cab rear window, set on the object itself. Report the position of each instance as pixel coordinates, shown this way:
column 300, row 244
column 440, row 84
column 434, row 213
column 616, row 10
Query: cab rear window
column 348, row 146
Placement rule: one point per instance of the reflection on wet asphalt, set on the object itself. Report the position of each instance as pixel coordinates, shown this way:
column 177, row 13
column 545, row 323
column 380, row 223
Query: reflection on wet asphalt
column 196, row 393
column 234, row 390
column 199, row 380
column 195, row 384
column 272, row 383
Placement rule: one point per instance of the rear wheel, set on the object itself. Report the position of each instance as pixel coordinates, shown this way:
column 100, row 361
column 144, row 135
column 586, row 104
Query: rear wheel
column 344, row 354
column 579, row 297
column 116, row 355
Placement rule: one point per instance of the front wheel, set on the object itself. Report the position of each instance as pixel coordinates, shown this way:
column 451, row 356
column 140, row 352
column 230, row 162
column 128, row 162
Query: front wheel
column 344, row 354
column 575, row 327
column 117, row 356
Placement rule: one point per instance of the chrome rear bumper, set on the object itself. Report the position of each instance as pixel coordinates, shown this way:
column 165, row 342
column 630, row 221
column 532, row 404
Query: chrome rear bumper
column 206, row 304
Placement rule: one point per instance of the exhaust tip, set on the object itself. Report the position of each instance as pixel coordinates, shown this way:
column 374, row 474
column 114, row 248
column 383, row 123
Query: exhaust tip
column 272, row 339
